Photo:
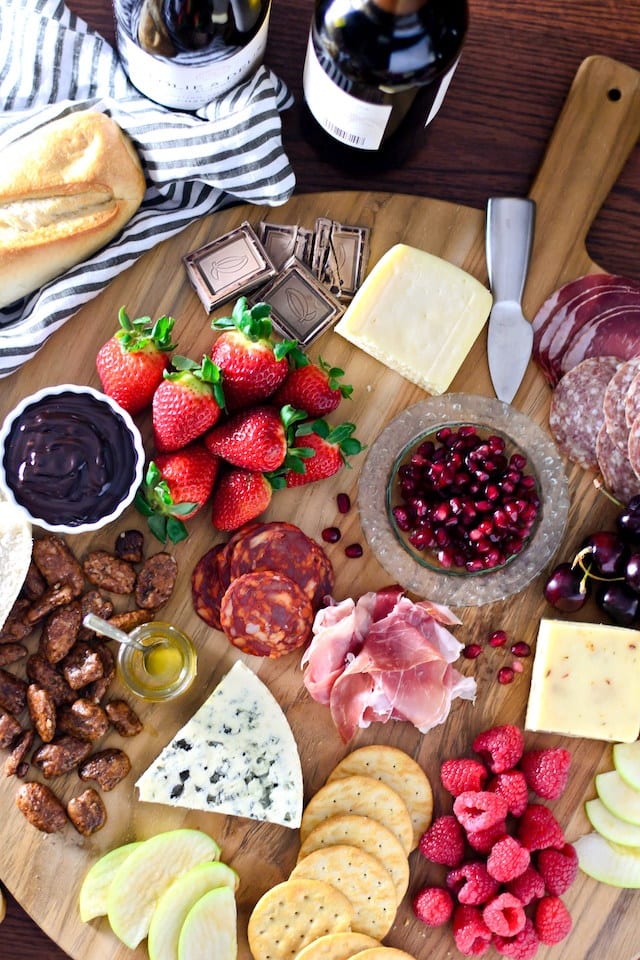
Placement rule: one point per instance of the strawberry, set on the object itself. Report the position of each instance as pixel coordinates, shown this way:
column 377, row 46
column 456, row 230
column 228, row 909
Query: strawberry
column 176, row 486
column 186, row 404
column 323, row 451
column 257, row 438
column 131, row 364
column 313, row 387
column 253, row 366
column 240, row 495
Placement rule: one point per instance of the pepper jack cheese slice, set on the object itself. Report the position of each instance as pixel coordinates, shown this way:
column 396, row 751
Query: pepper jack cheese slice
column 236, row 756
column 586, row 681
column 418, row 314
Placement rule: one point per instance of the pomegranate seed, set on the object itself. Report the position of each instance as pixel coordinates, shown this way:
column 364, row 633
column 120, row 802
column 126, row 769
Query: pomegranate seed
column 471, row 651
column 505, row 675
column 521, row 649
column 344, row 502
column 353, row 551
column 498, row 638
column 517, row 667
column 331, row 534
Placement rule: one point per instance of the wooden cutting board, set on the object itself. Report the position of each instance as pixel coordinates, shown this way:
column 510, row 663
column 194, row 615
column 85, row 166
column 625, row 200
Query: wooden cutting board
column 596, row 131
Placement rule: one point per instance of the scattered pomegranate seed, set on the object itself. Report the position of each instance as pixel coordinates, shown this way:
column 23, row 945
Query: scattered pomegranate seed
column 471, row 651
column 517, row 666
column 344, row 503
column 505, row 675
column 331, row 534
column 353, row 551
column 521, row 649
column 498, row 638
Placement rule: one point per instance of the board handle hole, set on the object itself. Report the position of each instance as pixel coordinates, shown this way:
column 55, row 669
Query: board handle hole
column 614, row 94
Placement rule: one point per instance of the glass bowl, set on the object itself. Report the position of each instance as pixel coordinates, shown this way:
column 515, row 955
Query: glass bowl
column 420, row 572
column 164, row 673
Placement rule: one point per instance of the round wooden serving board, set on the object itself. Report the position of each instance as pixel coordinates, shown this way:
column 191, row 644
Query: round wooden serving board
column 596, row 132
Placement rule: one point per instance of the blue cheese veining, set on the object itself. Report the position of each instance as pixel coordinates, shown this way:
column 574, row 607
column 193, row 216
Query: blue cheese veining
column 236, row 756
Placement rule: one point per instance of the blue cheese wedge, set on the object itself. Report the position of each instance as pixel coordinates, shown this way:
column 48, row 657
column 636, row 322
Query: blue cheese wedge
column 419, row 315
column 237, row 756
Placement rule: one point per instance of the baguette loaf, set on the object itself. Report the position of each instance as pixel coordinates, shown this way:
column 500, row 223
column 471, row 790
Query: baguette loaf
column 65, row 191
column 15, row 555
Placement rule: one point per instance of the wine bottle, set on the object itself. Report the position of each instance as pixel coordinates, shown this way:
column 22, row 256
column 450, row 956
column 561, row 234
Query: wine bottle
column 376, row 73
column 185, row 53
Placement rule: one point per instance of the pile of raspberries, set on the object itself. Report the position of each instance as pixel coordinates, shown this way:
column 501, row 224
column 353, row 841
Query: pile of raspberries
column 507, row 859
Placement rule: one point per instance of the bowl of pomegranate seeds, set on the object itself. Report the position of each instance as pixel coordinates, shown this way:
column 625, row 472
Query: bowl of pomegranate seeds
column 463, row 495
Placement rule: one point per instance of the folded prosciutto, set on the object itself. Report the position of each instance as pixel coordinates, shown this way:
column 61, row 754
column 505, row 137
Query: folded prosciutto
column 384, row 657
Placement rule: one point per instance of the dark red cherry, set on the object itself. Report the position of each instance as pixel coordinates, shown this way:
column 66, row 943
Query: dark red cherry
column 619, row 602
column 604, row 553
column 566, row 589
column 632, row 572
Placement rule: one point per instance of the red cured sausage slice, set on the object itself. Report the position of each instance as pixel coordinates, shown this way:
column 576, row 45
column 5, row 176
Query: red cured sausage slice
column 615, row 468
column 615, row 401
column 577, row 409
column 266, row 614
column 209, row 581
column 614, row 333
column 634, row 446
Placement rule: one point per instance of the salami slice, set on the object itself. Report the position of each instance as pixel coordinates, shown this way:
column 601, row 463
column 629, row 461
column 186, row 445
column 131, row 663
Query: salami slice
column 634, row 446
column 615, row 400
column 632, row 401
column 209, row 582
column 577, row 409
column 266, row 614
column 615, row 468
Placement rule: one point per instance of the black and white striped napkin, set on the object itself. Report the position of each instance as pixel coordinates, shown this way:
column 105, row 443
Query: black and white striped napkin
column 52, row 63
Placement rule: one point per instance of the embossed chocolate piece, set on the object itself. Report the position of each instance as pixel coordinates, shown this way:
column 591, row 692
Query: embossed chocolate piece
column 301, row 307
column 283, row 241
column 340, row 256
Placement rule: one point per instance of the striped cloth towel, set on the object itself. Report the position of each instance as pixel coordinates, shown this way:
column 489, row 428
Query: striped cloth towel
column 51, row 63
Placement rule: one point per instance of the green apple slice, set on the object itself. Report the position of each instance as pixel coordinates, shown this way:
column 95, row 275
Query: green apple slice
column 608, row 862
column 210, row 928
column 95, row 886
column 610, row 827
column 147, row 873
column 618, row 797
column 626, row 760
column 176, row 902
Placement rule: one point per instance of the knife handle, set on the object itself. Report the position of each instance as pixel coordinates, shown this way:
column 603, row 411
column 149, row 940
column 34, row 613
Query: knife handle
column 510, row 222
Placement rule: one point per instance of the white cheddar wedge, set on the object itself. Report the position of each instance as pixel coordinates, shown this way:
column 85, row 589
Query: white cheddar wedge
column 418, row 314
column 236, row 755
column 585, row 681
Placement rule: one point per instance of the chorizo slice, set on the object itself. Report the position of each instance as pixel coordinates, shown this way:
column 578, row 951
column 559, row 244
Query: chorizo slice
column 41, row 807
column 156, row 580
column 87, row 812
column 60, row 631
column 42, row 710
column 61, row 755
column 107, row 767
column 108, row 572
column 209, row 580
column 266, row 614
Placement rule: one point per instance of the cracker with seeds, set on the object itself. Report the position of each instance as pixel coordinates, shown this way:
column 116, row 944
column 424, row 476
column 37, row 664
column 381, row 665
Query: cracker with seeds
column 400, row 772
column 367, row 834
column 361, row 878
column 293, row 914
column 364, row 797
column 336, row 946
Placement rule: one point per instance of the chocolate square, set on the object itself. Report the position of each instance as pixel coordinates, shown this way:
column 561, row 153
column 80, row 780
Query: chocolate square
column 228, row 267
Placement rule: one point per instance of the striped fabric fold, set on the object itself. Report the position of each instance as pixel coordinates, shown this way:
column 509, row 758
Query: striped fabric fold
column 53, row 63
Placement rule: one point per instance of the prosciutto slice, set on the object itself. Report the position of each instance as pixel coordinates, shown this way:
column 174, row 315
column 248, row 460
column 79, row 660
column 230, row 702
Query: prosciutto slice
column 383, row 658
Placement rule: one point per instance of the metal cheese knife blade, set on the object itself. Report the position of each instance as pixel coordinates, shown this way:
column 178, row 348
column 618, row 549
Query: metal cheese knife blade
column 509, row 236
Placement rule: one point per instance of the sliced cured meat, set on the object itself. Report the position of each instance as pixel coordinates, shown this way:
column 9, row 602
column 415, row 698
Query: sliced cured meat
column 577, row 409
column 634, row 446
column 632, row 401
column 615, row 468
column 615, row 398
column 209, row 581
column 615, row 333
column 266, row 614
column 566, row 292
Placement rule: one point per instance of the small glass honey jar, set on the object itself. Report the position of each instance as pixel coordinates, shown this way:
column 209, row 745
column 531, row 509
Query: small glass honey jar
column 166, row 670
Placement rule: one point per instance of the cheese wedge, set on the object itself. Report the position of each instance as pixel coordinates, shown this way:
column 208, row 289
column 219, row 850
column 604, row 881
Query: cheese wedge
column 585, row 681
column 418, row 314
column 236, row 755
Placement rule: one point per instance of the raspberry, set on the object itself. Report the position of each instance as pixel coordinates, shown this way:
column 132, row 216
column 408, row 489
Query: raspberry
column 443, row 842
column 558, row 868
column 483, row 840
column 500, row 747
column 539, row 829
column 546, row 771
column 513, row 787
column 552, row 920
column 508, row 860
column 504, row 915
column 470, row 932
column 433, row 905
column 529, row 886
column 479, row 809
column 461, row 775
column 521, row 947
column 471, row 883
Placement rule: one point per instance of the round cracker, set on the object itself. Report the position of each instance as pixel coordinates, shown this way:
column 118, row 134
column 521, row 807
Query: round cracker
column 294, row 913
column 337, row 946
column 367, row 834
column 365, row 797
column 382, row 953
column 361, row 878
column 400, row 772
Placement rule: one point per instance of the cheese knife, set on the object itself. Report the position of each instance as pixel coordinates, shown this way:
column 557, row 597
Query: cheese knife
column 509, row 237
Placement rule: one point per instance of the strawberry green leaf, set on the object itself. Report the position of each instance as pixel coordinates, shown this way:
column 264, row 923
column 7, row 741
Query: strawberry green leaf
column 143, row 332
column 158, row 527
column 176, row 530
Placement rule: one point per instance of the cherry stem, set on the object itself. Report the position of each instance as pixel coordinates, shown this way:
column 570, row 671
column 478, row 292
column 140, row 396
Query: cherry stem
column 600, row 487
column 578, row 562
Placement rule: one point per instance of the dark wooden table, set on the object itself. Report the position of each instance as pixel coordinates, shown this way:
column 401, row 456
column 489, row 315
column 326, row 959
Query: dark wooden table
column 518, row 63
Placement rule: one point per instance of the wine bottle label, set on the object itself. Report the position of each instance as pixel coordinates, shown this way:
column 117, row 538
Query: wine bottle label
column 190, row 82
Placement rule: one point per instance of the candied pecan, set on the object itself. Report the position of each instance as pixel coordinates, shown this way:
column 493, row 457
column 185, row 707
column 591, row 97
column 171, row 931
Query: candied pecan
column 107, row 767
column 57, row 596
column 93, row 602
column 10, row 652
column 41, row 807
column 61, row 755
column 9, row 728
column 83, row 719
column 57, row 564
column 13, row 693
column 34, row 583
column 124, row 718
column 19, row 751
column 14, row 628
column 87, row 812
column 129, row 619
column 97, row 689
column 130, row 546
column 41, row 671
column 60, row 631
column 42, row 710
column 108, row 572
column 82, row 665
column 156, row 581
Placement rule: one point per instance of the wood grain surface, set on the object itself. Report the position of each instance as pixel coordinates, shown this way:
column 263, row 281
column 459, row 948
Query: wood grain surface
column 595, row 133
